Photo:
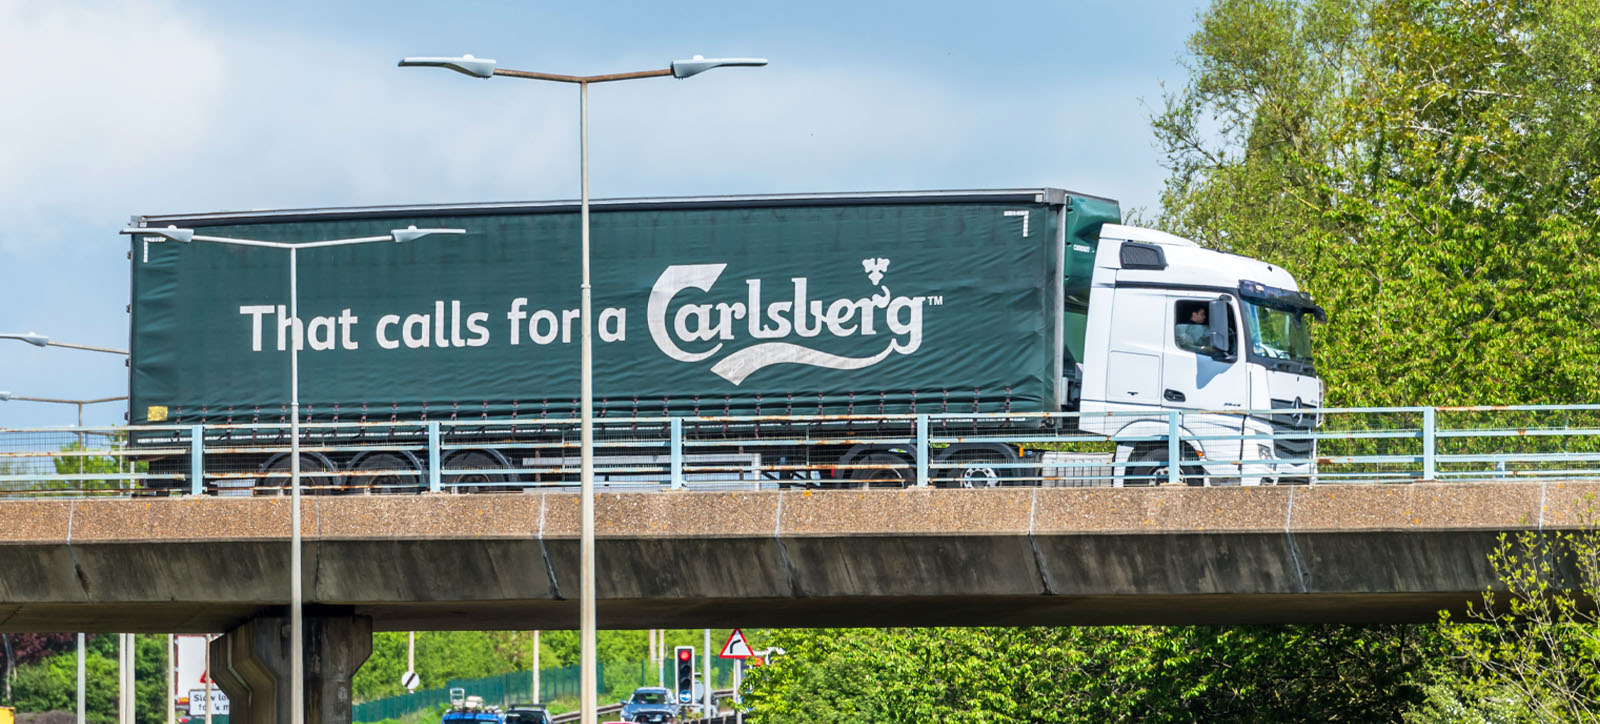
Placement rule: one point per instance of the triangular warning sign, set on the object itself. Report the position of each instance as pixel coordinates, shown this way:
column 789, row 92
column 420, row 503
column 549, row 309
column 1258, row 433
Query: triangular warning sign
column 737, row 647
column 203, row 676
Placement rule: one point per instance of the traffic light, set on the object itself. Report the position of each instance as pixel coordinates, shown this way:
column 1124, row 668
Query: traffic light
column 685, row 673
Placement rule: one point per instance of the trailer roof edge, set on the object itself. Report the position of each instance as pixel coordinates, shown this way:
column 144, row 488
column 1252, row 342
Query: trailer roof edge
column 1047, row 195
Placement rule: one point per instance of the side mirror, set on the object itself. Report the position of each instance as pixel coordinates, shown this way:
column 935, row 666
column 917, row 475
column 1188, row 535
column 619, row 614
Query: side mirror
column 1217, row 315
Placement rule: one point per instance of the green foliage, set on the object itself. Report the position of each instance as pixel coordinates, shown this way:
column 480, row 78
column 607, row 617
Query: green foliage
column 78, row 459
column 1150, row 674
column 1428, row 168
column 52, row 683
column 1531, row 652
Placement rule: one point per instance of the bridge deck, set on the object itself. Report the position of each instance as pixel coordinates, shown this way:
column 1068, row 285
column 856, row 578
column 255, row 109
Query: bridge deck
column 1046, row 556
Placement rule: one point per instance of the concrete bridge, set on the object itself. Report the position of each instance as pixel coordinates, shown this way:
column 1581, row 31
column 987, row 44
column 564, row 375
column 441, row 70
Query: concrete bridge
column 1022, row 556
column 1025, row 556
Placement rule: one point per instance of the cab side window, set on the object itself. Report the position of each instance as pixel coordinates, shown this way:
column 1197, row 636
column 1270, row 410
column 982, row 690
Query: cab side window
column 1192, row 326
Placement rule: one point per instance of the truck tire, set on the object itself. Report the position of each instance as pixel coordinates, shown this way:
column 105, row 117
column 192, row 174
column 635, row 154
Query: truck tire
column 884, row 477
column 476, row 461
column 400, row 474
column 1148, row 467
column 314, row 475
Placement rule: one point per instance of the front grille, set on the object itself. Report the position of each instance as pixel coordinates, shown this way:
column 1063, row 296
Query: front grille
column 1303, row 420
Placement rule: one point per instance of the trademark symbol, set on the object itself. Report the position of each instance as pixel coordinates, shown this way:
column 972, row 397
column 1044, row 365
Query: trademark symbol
column 936, row 301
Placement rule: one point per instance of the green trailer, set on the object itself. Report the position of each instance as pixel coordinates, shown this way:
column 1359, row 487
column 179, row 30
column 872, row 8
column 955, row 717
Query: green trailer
column 814, row 304
column 819, row 305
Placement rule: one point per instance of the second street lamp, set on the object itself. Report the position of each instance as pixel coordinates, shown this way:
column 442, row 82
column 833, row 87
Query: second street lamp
column 173, row 234
column 487, row 68
column 83, row 450
column 7, row 396
column 39, row 340
column 83, row 444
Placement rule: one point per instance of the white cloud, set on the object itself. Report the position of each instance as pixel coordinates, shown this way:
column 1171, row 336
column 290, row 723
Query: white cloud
column 192, row 117
column 96, row 95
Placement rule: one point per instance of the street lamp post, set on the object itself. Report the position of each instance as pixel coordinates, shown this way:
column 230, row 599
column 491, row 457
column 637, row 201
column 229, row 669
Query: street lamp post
column 83, row 446
column 486, row 68
column 6, row 396
column 174, row 234
column 39, row 340
column 82, row 450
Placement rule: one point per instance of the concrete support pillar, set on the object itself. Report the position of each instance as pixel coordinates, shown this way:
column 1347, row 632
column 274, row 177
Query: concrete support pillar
column 251, row 665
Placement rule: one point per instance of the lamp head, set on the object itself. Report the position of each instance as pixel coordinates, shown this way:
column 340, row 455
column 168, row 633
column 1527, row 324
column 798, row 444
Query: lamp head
column 170, row 233
column 412, row 233
column 33, row 338
column 700, row 64
column 465, row 65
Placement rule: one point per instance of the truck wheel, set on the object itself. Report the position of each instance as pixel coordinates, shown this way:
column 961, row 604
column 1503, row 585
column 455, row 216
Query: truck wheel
column 1153, row 470
column 883, row 477
column 478, row 461
column 396, row 473
column 314, row 475
column 970, row 470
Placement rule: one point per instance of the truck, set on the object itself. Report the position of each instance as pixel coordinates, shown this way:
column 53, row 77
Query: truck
column 1016, row 307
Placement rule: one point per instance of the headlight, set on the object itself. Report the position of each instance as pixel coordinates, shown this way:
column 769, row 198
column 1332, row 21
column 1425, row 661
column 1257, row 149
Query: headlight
column 1264, row 451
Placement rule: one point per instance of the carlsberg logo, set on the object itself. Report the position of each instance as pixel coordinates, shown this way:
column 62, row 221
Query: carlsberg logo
column 804, row 325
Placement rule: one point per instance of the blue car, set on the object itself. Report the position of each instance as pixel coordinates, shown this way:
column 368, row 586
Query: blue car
column 649, row 705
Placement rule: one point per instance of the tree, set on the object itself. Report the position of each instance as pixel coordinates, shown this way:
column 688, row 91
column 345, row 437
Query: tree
column 77, row 464
column 1531, row 652
column 1429, row 169
column 50, row 684
column 1124, row 673
column 21, row 649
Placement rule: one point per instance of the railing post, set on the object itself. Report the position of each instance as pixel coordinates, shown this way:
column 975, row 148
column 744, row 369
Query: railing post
column 435, row 479
column 677, row 452
column 1174, row 459
column 197, row 467
column 1428, row 429
column 922, row 450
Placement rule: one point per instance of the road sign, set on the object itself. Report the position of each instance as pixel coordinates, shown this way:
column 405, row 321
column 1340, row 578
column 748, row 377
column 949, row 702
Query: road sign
column 736, row 647
column 197, row 703
column 410, row 680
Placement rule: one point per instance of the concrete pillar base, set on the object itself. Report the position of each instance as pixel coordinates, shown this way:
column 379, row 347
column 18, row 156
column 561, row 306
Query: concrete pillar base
column 251, row 665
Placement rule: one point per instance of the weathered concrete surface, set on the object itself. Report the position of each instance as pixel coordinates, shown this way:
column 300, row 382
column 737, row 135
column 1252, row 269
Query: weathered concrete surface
column 252, row 665
column 838, row 558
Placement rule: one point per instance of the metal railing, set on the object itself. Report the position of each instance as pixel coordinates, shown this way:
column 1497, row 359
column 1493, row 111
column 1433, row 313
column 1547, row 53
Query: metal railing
column 1124, row 448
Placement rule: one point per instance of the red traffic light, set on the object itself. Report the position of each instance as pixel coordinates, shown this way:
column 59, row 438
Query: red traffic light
column 685, row 654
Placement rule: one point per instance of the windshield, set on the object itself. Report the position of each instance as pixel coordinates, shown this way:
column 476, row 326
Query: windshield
column 649, row 697
column 1279, row 334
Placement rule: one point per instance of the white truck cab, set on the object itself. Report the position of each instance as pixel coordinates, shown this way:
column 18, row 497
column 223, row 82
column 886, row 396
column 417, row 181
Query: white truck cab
column 1173, row 326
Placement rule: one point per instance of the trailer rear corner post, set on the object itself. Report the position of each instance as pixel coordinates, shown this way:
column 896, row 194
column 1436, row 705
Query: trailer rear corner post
column 197, row 482
column 922, row 450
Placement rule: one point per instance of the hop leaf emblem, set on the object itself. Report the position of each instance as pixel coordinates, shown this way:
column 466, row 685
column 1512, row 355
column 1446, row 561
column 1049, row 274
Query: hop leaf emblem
column 875, row 268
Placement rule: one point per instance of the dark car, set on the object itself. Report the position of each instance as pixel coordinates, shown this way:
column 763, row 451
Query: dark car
column 527, row 714
column 649, row 705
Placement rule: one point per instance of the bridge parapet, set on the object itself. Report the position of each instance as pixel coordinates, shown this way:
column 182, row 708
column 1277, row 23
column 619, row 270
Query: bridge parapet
column 792, row 558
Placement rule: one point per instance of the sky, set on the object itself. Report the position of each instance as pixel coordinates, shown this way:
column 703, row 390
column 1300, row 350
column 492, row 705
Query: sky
column 114, row 108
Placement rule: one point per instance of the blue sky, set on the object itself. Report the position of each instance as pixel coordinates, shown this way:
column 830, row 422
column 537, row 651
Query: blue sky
column 122, row 107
